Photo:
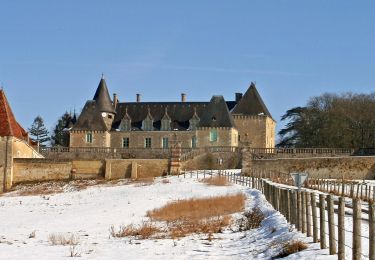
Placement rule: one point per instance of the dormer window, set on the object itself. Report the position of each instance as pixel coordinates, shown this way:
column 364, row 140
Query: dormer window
column 194, row 121
column 125, row 125
column 165, row 122
column 148, row 122
column 126, row 122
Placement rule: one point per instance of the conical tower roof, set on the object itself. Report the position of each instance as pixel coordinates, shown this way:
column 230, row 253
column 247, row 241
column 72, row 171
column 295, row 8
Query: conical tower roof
column 251, row 103
column 102, row 98
column 8, row 123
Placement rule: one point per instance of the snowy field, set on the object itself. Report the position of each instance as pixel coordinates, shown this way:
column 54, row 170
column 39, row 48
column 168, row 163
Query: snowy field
column 90, row 213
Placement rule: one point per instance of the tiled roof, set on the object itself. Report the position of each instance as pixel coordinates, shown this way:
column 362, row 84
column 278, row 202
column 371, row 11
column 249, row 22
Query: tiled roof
column 8, row 123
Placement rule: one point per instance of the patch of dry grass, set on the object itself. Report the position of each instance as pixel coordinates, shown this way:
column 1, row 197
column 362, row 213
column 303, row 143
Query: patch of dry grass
column 217, row 181
column 63, row 239
column 144, row 231
column 199, row 208
column 54, row 187
column 183, row 228
column 185, row 217
column 292, row 247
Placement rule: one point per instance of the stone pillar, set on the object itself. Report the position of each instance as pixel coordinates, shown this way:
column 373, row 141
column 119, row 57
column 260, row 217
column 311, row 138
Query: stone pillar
column 247, row 159
column 134, row 174
column 6, row 163
column 175, row 159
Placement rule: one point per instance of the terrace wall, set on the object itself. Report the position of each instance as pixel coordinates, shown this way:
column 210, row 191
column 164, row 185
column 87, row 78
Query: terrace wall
column 353, row 167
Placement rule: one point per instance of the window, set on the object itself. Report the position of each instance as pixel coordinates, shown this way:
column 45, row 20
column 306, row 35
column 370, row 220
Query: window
column 194, row 142
column 165, row 125
column 213, row 135
column 148, row 142
column 165, row 143
column 125, row 125
column 89, row 138
column 147, row 125
column 125, row 142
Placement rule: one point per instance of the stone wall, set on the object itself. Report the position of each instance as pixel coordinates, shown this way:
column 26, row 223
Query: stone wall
column 99, row 139
column 21, row 149
column 114, row 139
column 30, row 170
column 6, row 163
column 118, row 169
column 336, row 167
column 208, row 161
column 258, row 130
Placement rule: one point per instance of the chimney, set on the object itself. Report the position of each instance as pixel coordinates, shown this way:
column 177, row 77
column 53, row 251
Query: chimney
column 115, row 100
column 238, row 97
column 183, row 97
column 138, row 98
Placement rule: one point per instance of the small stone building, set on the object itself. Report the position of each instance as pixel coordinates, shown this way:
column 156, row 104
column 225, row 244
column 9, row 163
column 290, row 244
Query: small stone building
column 109, row 123
column 14, row 143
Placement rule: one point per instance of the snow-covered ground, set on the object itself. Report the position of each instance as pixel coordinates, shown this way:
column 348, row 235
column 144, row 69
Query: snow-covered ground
column 90, row 213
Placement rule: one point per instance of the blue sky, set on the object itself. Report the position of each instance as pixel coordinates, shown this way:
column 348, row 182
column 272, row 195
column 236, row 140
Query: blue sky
column 52, row 53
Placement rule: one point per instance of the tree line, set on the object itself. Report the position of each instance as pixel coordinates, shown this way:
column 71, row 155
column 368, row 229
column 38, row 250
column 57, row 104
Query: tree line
column 331, row 121
column 59, row 136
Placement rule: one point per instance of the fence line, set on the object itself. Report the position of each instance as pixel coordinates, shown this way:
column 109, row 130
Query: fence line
column 317, row 218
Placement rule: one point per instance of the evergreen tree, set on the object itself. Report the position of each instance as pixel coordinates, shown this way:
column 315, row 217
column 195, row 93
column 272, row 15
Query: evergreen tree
column 38, row 131
column 331, row 120
column 60, row 133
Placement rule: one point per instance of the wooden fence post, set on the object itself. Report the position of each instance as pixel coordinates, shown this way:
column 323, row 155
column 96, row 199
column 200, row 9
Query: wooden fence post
column 303, row 211
column 287, row 205
column 322, row 211
column 341, row 229
column 357, row 245
column 299, row 224
column 293, row 208
column 331, row 226
column 314, row 218
column 308, row 214
column 371, row 230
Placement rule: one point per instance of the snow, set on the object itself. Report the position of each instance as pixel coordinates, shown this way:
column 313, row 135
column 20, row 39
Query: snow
column 90, row 213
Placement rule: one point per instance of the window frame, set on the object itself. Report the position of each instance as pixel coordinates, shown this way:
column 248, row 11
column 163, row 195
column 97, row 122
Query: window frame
column 148, row 142
column 125, row 142
column 213, row 135
column 89, row 138
column 165, row 142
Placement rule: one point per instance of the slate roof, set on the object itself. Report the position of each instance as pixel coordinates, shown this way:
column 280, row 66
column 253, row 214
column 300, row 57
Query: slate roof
column 8, row 123
column 102, row 98
column 216, row 113
column 90, row 118
column 251, row 103
column 212, row 114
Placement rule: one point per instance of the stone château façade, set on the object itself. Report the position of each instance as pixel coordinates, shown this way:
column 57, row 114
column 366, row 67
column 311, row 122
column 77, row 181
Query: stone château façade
column 109, row 123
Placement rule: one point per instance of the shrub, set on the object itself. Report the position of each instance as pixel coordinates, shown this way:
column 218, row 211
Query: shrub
column 252, row 219
column 210, row 160
column 74, row 252
column 207, row 226
column 143, row 231
column 292, row 247
column 63, row 239
column 32, row 234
